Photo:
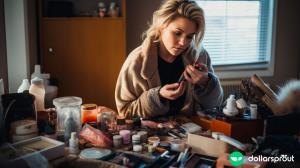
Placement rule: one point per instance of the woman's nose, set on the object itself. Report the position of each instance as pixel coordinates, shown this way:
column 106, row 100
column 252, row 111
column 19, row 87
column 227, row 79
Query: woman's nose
column 182, row 41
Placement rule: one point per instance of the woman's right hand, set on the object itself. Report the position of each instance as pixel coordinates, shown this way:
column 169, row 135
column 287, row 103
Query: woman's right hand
column 172, row 91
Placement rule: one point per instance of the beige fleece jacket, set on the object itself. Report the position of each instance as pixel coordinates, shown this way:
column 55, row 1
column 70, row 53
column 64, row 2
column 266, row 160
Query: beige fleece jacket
column 138, row 84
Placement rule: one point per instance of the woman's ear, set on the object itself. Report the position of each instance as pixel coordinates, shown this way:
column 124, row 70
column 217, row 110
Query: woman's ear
column 160, row 29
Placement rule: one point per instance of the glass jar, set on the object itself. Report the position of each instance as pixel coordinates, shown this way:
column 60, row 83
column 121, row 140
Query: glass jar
column 68, row 111
column 88, row 113
column 107, row 121
column 121, row 123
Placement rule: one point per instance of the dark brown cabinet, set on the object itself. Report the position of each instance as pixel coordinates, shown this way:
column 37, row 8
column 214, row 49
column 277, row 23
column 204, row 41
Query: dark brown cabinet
column 84, row 55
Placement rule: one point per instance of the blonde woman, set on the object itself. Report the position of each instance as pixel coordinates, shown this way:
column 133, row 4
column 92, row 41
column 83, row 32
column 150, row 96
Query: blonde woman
column 148, row 83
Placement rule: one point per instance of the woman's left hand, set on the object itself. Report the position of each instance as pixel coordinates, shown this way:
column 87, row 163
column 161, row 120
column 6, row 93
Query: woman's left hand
column 197, row 75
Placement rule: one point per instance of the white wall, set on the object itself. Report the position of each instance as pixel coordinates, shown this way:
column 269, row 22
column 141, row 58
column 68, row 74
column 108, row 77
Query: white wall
column 16, row 42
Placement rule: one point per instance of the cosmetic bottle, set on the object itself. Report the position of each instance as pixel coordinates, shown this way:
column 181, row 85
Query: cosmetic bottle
column 73, row 144
column 38, row 90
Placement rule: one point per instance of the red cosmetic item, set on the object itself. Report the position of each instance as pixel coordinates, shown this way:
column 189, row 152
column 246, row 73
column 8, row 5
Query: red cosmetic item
column 95, row 137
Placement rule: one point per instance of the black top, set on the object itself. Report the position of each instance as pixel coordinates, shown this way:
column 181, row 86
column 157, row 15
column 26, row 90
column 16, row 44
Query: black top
column 170, row 73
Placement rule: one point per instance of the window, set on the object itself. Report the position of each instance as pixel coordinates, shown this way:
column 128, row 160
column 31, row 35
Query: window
column 239, row 35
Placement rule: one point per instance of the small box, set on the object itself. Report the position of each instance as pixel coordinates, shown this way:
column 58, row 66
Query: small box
column 208, row 146
column 190, row 127
column 15, row 153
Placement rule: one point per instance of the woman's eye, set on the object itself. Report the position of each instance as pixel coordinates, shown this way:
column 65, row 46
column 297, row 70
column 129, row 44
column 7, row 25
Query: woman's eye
column 190, row 37
column 177, row 34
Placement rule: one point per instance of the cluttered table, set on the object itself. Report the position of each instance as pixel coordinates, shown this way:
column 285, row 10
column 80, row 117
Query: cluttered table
column 92, row 136
column 133, row 143
column 76, row 135
column 120, row 142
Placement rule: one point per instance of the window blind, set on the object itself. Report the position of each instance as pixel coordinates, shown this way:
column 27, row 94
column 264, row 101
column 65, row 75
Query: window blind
column 238, row 31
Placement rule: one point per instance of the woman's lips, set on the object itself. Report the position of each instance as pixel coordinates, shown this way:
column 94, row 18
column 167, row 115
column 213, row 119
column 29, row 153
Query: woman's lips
column 178, row 48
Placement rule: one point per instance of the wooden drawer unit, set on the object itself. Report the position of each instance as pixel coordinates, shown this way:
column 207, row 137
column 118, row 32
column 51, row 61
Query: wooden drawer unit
column 241, row 130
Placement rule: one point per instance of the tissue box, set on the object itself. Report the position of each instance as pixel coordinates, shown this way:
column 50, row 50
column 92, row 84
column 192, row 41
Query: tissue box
column 208, row 146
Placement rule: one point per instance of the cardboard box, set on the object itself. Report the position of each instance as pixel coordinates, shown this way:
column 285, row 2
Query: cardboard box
column 15, row 154
column 207, row 146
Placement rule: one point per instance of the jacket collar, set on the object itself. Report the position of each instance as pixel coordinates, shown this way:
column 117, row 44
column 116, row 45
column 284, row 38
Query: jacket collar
column 149, row 63
column 150, row 57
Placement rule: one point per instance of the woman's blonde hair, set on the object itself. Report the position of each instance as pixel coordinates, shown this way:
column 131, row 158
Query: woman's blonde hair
column 172, row 9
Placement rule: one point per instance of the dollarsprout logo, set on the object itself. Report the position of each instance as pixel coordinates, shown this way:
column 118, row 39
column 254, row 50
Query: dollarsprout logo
column 236, row 158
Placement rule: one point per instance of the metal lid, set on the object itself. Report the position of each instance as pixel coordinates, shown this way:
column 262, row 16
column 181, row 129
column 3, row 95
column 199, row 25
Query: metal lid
column 115, row 137
column 89, row 106
column 136, row 137
column 67, row 101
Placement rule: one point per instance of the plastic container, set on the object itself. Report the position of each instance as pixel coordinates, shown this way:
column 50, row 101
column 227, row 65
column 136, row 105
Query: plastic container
column 37, row 89
column 66, row 108
column 50, row 91
column 126, row 136
column 37, row 72
column 117, row 140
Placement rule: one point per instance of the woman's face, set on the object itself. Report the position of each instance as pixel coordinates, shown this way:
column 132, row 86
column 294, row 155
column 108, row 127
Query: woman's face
column 178, row 35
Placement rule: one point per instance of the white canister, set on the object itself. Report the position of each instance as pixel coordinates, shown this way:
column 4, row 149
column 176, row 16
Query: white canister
column 136, row 139
column 117, row 140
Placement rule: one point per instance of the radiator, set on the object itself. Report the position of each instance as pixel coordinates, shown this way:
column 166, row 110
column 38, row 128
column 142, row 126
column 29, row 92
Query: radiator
column 231, row 87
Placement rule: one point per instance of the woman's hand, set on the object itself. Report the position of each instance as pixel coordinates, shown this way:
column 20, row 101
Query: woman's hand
column 197, row 75
column 172, row 91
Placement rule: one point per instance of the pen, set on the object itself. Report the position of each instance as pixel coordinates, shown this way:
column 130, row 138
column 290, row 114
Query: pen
column 179, row 157
column 178, row 134
column 184, row 154
column 196, row 65
column 164, row 154
column 184, row 157
column 169, row 133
